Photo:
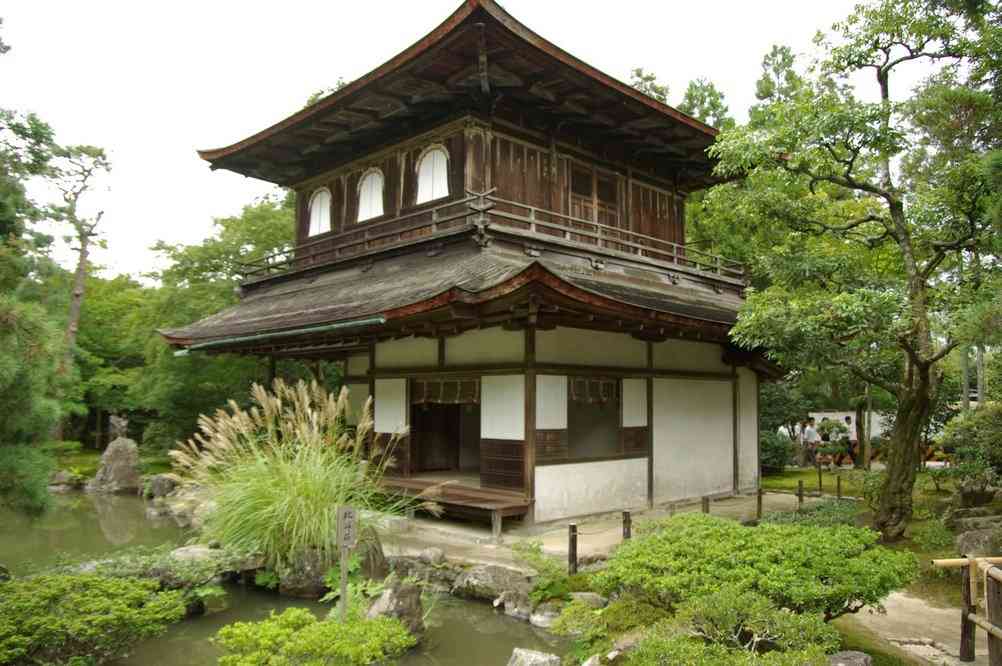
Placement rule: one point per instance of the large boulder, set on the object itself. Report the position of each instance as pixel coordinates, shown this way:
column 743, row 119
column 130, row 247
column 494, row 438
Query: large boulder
column 850, row 658
column 119, row 470
column 438, row 578
column 402, row 601
column 304, row 579
column 523, row 657
column 370, row 552
column 160, row 485
column 488, row 581
column 979, row 543
column 516, row 604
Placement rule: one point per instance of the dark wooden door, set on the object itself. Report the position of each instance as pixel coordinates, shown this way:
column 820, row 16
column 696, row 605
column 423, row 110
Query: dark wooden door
column 435, row 434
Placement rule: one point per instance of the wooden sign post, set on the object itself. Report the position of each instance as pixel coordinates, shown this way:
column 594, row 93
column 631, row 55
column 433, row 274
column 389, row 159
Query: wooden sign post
column 347, row 537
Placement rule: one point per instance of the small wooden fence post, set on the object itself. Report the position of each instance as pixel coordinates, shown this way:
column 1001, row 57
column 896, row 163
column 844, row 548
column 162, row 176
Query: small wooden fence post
column 966, row 626
column 820, row 488
column 572, row 548
column 758, row 504
column 800, row 494
column 838, row 486
column 706, row 505
column 993, row 602
column 671, row 509
column 627, row 525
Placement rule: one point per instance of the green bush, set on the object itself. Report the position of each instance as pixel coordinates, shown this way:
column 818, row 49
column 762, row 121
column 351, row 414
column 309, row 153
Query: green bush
column 775, row 452
column 24, row 478
column 279, row 472
column 931, row 536
column 296, row 636
column 593, row 629
column 827, row 570
column 738, row 618
column 664, row 646
column 825, row 513
column 63, row 619
column 552, row 580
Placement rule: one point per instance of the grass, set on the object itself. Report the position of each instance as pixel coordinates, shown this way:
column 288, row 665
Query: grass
column 787, row 482
column 86, row 462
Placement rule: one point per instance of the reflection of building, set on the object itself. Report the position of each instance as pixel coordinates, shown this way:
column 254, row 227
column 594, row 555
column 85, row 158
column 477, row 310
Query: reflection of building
column 491, row 237
column 878, row 424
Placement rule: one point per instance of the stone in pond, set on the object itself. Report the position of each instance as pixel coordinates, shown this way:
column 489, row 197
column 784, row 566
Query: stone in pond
column 432, row 555
column 401, row 601
column 546, row 614
column 489, row 581
column 160, row 485
column 523, row 657
column 850, row 658
column 119, row 470
column 516, row 604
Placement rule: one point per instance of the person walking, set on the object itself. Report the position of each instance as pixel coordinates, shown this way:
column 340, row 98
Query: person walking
column 811, row 441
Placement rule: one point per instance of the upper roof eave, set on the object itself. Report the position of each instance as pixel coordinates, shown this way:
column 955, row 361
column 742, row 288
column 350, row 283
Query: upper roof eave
column 467, row 9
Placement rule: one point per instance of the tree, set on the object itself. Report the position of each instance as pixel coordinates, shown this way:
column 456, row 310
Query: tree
column 647, row 83
column 704, row 102
column 865, row 283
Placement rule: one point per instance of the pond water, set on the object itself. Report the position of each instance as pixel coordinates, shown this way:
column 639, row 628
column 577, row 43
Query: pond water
column 460, row 633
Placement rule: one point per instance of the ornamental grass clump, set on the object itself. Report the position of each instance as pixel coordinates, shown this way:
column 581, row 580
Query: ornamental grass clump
column 278, row 471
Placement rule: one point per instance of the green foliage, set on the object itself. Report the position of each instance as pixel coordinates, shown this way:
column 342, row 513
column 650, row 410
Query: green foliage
column 932, row 535
column 359, row 587
column 24, row 478
column 279, row 471
column 552, row 580
column 64, row 619
column 872, row 484
column 594, row 629
column 826, row 513
column 296, row 636
column 831, row 570
column 266, row 578
column 647, row 83
column 775, row 451
column 665, row 645
column 704, row 102
column 739, row 618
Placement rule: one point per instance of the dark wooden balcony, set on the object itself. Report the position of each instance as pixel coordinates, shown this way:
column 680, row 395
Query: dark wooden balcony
column 456, row 215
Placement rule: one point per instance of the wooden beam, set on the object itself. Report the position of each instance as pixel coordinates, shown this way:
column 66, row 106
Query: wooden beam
column 650, row 426
column 530, row 420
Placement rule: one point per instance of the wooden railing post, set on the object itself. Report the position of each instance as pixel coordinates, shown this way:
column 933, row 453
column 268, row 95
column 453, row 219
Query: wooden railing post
column 800, row 494
column 966, row 626
column 706, row 505
column 758, row 504
column 572, row 548
column 627, row 526
column 838, row 486
column 993, row 604
column 820, row 488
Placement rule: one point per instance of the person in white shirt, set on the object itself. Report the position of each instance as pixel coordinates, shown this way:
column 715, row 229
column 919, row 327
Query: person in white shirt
column 811, row 439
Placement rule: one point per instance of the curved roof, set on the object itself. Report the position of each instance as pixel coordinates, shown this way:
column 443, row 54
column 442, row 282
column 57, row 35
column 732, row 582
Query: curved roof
column 475, row 54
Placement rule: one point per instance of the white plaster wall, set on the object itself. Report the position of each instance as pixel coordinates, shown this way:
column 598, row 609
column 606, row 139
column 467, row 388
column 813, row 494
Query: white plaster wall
column 634, row 403
column 486, row 345
column 693, row 433
column 502, row 407
column 357, row 395
column 358, row 365
column 577, row 346
column 748, row 468
column 391, row 405
column 689, row 355
column 407, row 353
column 551, row 402
column 591, row 487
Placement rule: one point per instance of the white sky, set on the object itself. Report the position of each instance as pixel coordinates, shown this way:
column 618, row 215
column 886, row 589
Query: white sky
column 152, row 82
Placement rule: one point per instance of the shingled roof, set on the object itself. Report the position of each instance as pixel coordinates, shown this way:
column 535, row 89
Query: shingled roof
column 399, row 288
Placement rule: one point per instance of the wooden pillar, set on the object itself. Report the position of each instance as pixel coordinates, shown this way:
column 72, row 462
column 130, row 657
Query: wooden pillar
column 372, row 372
column 441, row 352
column 270, row 377
column 993, row 607
column 530, row 420
column 966, row 608
column 650, row 425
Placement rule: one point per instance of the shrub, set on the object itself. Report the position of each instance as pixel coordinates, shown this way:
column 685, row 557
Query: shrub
column 24, row 478
column 552, row 580
column 825, row 513
column 931, row 536
column 60, row 619
column 296, row 636
column 830, row 570
column 664, row 646
column 775, row 452
column 871, row 482
column 743, row 619
column 593, row 629
column 279, row 471
column 980, row 429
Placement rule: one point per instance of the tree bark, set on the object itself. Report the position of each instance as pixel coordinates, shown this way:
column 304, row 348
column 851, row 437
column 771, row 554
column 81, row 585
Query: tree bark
column 73, row 319
column 858, row 461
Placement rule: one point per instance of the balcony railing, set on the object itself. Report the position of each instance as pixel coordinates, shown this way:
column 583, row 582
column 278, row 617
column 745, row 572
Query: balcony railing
column 487, row 208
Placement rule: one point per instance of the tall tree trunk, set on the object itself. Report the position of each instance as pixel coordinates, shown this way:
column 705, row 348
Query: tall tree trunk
column 857, row 459
column 980, row 365
column 73, row 320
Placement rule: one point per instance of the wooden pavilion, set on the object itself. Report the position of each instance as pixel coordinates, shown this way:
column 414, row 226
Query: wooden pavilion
column 491, row 239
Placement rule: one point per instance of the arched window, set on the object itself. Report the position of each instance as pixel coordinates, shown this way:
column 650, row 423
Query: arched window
column 433, row 175
column 320, row 212
column 370, row 195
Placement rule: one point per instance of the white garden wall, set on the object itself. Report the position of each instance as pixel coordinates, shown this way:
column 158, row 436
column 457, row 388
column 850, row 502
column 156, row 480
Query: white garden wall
column 693, row 438
column 690, row 356
column 748, row 468
column 575, row 346
column 391, row 405
column 590, row 487
column 407, row 353
column 487, row 345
